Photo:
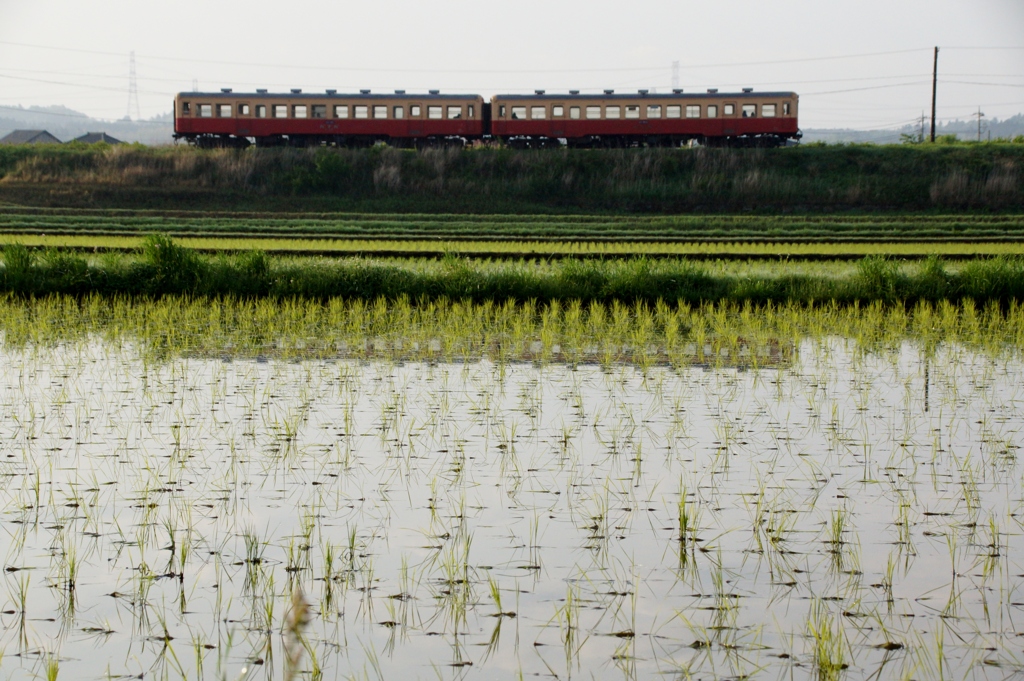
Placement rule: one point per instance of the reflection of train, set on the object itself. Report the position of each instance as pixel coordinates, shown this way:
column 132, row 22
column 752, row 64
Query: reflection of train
column 230, row 119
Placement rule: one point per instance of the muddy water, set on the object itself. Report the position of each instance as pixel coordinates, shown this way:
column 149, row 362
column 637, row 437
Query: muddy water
column 848, row 515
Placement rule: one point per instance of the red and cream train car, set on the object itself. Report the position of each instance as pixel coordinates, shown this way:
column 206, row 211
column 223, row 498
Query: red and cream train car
column 228, row 118
column 764, row 118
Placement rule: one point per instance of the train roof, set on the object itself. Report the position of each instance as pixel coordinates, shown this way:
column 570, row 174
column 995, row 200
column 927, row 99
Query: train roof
column 325, row 95
column 652, row 95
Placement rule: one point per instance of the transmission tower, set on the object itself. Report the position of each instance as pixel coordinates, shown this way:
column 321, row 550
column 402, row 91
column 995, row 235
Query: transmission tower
column 133, row 91
column 675, row 75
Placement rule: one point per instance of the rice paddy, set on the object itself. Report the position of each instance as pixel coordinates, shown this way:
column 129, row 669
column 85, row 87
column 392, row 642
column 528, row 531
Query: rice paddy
column 256, row 489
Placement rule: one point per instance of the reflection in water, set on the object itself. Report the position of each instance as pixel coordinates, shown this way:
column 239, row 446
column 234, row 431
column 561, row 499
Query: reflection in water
column 832, row 512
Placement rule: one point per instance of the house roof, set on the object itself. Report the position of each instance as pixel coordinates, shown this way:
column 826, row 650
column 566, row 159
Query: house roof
column 94, row 137
column 30, row 137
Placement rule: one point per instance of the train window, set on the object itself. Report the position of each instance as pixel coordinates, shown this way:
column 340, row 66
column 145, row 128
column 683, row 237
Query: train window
column 593, row 112
column 362, row 111
column 380, row 111
column 558, row 111
column 454, row 112
column 693, row 110
column 768, row 110
column 654, row 111
column 398, row 112
column 730, row 110
column 472, row 111
column 243, row 109
column 538, row 112
column 280, row 111
column 319, row 111
column 341, row 110
column 785, row 108
column 206, row 110
column 261, row 111
column 673, row 111
column 518, row 113
column 632, row 111
column 613, row 112
column 434, row 112
column 223, row 111
column 574, row 112
column 300, row 111
column 712, row 111
column 749, row 111
column 414, row 111
column 501, row 111
column 186, row 110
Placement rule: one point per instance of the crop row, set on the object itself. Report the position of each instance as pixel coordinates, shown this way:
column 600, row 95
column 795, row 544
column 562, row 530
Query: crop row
column 512, row 249
column 498, row 228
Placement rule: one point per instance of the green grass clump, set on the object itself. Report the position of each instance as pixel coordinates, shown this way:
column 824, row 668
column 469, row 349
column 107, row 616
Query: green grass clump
column 163, row 267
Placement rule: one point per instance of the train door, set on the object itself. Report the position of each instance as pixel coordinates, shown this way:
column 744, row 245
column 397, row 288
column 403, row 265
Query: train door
column 730, row 112
column 243, row 115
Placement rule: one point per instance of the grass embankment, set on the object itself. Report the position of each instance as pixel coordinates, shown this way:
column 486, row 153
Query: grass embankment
column 906, row 178
column 164, row 267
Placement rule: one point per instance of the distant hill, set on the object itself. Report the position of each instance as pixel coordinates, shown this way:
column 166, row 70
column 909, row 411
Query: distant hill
column 67, row 124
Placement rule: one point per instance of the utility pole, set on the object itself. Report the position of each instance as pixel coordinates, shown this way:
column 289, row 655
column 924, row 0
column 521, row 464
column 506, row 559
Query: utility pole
column 675, row 75
column 980, row 116
column 935, row 87
column 133, row 90
column 920, row 132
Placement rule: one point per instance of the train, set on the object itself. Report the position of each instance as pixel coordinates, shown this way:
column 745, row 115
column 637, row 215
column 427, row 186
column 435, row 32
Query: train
column 410, row 120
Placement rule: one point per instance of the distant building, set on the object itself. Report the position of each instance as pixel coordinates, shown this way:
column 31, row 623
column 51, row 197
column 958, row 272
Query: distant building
column 30, row 137
column 96, row 137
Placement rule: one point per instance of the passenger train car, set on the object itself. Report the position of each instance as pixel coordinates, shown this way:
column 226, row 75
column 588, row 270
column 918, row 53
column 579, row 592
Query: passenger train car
column 229, row 119
column 745, row 118
column 233, row 119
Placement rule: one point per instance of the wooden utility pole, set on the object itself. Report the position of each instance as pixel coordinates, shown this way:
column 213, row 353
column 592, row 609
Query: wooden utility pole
column 980, row 116
column 935, row 86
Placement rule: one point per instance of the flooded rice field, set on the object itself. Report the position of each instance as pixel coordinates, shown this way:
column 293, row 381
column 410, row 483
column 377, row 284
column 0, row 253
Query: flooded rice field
column 835, row 511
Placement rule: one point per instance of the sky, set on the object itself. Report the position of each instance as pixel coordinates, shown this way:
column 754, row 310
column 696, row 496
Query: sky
column 863, row 64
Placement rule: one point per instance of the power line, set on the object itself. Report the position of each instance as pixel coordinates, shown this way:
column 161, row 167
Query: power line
column 309, row 67
column 967, row 82
column 863, row 89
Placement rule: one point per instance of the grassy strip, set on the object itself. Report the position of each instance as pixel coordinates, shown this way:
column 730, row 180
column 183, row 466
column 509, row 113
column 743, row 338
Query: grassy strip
column 164, row 267
column 400, row 248
column 912, row 178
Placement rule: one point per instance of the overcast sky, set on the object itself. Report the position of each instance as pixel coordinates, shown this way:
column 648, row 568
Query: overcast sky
column 76, row 53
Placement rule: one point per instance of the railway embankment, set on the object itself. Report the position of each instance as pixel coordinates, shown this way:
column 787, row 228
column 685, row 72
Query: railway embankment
column 909, row 178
